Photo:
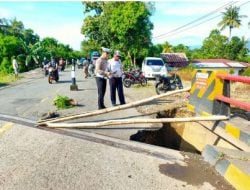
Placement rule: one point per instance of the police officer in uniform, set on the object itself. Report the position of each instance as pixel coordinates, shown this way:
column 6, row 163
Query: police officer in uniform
column 115, row 81
column 101, row 76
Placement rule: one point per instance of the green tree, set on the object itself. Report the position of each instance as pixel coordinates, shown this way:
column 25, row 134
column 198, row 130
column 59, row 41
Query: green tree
column 155, row 50
column 167, row 47
column 181, row 48
column 16, row 28
column 119, row 25
column 231, row 18
column 4, row 26
column 214, row 45
column 29, row 37
column 88, row 46
column 236, row 49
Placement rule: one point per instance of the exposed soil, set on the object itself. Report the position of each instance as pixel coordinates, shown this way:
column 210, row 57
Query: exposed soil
column 167, row 103
column 240, row 91
column 200, row 171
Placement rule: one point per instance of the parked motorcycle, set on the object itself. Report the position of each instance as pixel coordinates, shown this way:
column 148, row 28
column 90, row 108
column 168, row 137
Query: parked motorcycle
column 133, row 77
column 167, row 83
column 53, row 75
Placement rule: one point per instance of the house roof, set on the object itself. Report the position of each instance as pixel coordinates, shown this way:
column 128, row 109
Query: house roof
column 222, row 63
column 174, row 57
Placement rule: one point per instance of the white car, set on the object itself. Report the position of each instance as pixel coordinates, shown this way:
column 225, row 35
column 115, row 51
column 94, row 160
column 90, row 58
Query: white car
column 153, row 67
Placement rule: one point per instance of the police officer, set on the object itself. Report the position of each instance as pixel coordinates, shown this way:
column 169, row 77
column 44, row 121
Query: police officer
column 101, row 76
column 115, row 81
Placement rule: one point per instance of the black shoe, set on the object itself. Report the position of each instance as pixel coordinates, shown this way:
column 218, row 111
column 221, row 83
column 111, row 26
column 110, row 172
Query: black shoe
column 103, row 107
column 114, row 105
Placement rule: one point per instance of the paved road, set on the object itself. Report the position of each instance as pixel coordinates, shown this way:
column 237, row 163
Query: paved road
column 37, row 159
column 33, row 97
column 32, row 158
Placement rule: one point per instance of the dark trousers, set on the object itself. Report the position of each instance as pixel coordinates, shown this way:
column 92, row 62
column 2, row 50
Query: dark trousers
column 101, row 87
column 116, row 84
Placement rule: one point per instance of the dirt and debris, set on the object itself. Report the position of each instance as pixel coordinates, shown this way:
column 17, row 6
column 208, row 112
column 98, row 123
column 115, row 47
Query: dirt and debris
column 162, row 104
column 201, row 172
column 49, row 115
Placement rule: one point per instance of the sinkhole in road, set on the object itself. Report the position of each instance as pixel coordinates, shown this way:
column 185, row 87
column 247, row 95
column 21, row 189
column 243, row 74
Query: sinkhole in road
column 170, row 135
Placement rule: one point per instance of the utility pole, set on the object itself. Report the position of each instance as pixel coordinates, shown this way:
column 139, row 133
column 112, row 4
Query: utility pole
column 73, row 86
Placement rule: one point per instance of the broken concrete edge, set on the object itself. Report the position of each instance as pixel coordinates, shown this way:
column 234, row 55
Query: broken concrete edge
column 235, row 131
column 236, row 176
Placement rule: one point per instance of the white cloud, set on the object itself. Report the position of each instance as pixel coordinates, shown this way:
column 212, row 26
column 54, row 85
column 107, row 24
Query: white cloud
column 28, row 7
column 5, row 13
column 190, row 9
column 67, row 34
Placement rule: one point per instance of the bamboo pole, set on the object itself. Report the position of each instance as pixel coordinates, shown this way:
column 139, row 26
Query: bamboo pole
column 134, row 121
column 111, row 109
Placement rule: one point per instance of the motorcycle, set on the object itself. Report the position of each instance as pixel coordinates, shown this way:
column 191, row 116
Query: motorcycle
column 53, row 75
column 91, row 70
column 168, row 83
column 46, row 70
column 133, row 77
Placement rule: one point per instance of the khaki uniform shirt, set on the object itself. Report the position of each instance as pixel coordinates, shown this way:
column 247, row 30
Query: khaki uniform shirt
column 101, row 67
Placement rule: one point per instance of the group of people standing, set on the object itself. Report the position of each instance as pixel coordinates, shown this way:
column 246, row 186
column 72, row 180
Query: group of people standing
column 110, row 69
column 105, row 68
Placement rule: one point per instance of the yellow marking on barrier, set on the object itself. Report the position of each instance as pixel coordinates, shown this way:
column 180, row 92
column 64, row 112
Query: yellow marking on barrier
column 194, row 84
column 193, row 87
column 194, row 73
column 218, row 88
column 190, row 107
column 237, row 178
column 232, row 130
column 205, row 114
column 210, row 79
column 5, row 128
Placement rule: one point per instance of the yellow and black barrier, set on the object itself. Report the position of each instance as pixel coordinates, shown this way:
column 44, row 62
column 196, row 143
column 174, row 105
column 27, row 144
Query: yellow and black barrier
column 204, row 88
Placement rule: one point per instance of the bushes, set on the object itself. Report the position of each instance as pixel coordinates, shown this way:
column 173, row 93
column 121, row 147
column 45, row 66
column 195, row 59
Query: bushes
column 246, row 72
column 186, row 72
column 6, row 66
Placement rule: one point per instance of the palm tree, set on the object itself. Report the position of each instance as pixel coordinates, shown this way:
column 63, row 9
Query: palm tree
column 167, row 48
column 231, row 19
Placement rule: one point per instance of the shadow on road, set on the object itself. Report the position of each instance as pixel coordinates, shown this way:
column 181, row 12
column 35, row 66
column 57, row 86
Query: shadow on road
column 64, row 81
column 3, row 84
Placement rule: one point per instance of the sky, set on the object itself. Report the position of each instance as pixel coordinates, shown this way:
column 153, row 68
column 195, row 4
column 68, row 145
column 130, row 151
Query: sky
column 63, row 20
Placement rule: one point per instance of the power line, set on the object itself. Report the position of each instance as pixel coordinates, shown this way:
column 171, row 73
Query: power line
column 196, row 20
column 189, row 27
column 200, row 23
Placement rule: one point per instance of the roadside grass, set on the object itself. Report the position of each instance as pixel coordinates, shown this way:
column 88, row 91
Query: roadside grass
column 6, row 79
column 185, row 73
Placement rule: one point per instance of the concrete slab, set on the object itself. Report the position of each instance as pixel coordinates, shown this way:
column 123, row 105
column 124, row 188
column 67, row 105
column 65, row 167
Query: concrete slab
column 237, row 127
column 37, row 159
column 242, row 124
column 234, row 165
